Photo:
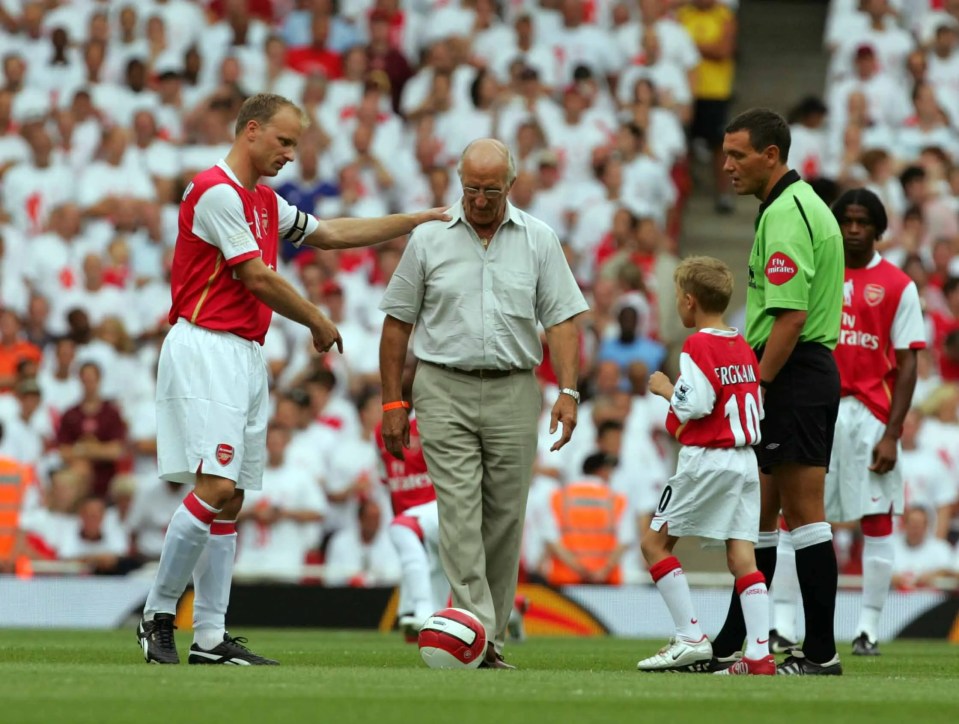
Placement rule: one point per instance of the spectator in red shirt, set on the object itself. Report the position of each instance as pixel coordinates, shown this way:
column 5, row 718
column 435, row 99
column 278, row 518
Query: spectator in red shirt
column 316, row 56
column 92, row 434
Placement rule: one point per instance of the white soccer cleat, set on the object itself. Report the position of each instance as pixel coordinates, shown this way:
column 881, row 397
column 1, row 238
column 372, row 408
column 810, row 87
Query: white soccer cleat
column 679, row 655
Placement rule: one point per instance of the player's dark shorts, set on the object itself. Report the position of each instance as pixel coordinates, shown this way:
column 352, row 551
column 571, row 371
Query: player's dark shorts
column 709, row 121
column 801, row 406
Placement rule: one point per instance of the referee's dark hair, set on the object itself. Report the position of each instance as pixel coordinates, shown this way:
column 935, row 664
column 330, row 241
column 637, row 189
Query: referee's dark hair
column 766, row 128
column 869, row 201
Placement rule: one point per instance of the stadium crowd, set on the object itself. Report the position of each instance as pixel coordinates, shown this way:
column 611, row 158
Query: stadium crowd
column 107, row 110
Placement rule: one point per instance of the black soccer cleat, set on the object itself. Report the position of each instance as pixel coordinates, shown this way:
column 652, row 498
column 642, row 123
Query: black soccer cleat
column 862, row 646
column 717, row 663
column 156, row 639
column 796, row 664
column 779, row 644
column 230, row 651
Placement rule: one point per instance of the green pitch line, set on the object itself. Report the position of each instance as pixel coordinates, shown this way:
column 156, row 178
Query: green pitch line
column 77, row 677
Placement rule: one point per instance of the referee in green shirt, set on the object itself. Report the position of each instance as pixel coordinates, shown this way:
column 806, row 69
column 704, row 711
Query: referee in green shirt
column 793, row 308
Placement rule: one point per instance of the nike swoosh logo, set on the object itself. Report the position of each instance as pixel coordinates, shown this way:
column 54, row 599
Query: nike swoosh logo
column 764, row 641
column 875, row 500
column 694, row 620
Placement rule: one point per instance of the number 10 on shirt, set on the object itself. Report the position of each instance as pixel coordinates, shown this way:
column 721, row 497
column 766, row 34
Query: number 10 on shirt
column 750, row 410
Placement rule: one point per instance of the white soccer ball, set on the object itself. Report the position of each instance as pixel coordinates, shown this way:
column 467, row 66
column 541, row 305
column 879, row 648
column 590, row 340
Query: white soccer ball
column 452, row 638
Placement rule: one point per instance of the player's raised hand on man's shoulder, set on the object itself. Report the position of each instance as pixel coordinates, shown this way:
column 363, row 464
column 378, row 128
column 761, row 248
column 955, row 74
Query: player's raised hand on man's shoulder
column 435, row 214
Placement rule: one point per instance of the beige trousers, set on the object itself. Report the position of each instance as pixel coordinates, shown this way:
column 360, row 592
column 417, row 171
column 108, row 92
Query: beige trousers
column 479, row 438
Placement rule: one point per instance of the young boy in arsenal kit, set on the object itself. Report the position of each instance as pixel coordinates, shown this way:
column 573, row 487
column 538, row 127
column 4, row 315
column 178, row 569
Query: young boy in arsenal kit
column 714, row 411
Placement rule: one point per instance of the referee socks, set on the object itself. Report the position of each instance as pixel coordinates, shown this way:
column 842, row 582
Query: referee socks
column 818, row 576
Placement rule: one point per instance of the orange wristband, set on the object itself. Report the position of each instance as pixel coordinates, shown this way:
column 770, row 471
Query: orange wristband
column 396, row 405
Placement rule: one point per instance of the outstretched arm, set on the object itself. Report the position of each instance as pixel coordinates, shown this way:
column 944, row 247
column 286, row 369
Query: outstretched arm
column 348, row 233
column 279, row 295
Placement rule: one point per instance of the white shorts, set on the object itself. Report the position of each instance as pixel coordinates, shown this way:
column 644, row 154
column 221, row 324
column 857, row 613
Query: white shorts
column 212, row 407
column 714, row 494
column 428, row 517
column 852, row 490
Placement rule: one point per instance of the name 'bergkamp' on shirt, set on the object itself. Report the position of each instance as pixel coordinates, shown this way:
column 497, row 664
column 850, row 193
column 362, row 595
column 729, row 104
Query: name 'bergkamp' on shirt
column 716, row 400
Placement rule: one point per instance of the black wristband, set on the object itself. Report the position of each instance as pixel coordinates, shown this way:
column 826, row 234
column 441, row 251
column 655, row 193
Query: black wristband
column 764, row 384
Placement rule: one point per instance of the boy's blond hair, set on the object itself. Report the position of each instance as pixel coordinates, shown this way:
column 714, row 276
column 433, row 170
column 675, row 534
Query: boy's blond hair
column 708, row 280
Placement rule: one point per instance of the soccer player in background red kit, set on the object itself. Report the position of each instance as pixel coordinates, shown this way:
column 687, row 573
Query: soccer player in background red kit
column 414, row 531
column 212, row 394
column 715, row 409
column 882, row 331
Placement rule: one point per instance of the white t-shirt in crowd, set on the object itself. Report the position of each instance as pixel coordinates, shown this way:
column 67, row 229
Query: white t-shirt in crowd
column 30, row 193
column 113, row 541
column 279, row 550
column 348, row 558
column 931, row 555
column 154, row 503
column 102, row 180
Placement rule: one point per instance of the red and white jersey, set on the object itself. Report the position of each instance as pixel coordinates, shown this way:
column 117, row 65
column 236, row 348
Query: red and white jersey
column 716, row 400
column 222, row 224
column 408, row 480
column 880, row 314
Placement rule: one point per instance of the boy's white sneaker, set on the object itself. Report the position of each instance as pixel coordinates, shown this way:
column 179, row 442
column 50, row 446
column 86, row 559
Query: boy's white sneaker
column 679, row 655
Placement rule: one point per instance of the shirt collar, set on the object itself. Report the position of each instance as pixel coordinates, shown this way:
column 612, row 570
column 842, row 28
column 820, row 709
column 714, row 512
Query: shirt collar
column 457, row 214
column 228, row 171
column 788, row 179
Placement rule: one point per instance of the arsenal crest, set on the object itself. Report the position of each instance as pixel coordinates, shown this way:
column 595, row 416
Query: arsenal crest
column 873, row 294
column 224, row 453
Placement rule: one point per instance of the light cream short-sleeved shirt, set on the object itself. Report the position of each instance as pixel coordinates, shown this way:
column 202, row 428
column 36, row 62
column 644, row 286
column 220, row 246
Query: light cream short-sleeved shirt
column 477, row 308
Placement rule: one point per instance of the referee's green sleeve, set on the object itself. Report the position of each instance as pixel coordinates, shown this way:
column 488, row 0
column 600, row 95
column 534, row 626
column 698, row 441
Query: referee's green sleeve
column 789, row 263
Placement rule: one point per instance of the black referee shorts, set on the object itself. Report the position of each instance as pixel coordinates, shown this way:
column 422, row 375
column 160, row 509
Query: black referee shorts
column 801, row 406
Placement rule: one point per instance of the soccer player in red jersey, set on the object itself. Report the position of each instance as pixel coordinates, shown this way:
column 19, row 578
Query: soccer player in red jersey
column 415, row 528
column 882, row 329
column 715, row 409
column 212, row 396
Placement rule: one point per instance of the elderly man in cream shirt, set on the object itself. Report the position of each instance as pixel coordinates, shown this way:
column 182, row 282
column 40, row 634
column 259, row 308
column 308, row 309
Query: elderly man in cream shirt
column 471, row 291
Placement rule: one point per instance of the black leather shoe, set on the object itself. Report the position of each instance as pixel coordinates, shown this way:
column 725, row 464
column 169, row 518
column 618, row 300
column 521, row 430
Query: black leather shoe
column 493, row 660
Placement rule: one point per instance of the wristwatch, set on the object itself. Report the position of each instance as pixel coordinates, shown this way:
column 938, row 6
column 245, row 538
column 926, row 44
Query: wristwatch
column 571, row 392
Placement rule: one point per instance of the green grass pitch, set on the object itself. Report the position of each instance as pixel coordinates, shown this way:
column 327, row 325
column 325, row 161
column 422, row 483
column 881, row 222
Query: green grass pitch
column 99, row 677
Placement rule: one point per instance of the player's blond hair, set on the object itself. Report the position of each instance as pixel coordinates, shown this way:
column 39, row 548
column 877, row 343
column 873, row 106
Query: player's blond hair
column 708, row 280
column 261, row 108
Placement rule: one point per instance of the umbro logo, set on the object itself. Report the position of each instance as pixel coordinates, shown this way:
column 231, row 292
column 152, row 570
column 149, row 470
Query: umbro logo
column 772, row 446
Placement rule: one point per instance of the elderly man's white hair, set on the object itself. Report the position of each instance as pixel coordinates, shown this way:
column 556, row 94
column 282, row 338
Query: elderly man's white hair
column 510, row 161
